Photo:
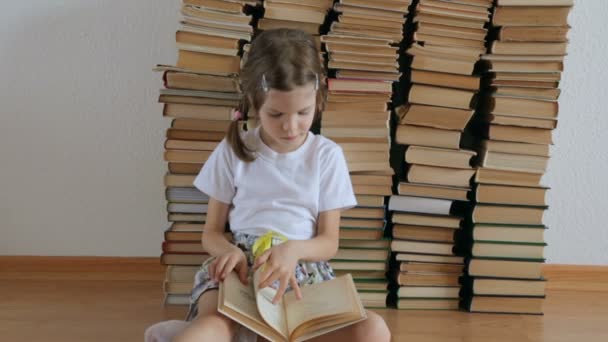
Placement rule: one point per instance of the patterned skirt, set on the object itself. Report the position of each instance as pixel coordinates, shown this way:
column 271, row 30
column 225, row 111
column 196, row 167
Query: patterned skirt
column 306, row 273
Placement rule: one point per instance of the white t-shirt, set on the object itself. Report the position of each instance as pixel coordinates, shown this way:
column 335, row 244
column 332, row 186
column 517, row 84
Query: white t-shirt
column 284, row 192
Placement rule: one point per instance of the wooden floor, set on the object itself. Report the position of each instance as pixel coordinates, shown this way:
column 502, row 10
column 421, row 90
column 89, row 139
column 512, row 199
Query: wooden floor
column 113, row 299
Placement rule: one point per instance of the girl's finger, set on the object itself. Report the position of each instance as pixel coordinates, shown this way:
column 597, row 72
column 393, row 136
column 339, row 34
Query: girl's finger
column 295, row 287
column 266, row 272
column 242, row 269
column 228, row 267
column 281, row 291
column 270, row 278
column 264, row 275
column 259, row 261
column 219, row 268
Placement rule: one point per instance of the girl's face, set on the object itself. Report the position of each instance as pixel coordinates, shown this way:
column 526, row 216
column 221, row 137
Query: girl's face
column 286, row 117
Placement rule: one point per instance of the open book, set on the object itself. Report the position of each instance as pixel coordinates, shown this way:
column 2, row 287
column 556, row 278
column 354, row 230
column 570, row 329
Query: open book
column 324, row 307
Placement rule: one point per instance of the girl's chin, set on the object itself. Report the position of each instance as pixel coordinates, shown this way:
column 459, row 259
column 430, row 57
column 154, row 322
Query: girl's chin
column 291, row 144
column 292, row 139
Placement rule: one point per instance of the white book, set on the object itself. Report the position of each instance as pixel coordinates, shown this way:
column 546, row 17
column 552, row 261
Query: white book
column 420, row 205
column 201, row 93
column 185, row 194
column 428, row 291
column 189, row 208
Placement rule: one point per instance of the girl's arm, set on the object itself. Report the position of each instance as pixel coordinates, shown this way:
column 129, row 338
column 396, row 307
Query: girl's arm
column 324, row 245
column 213, row 239
column 228, row 256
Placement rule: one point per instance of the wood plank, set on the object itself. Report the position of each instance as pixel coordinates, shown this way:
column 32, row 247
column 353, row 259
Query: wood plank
column 576, row 277
column 115, row 299
column 560, row 277
column 80, row 268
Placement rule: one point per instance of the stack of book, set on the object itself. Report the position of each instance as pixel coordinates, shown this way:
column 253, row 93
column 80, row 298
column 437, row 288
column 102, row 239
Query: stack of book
column 426, row 269
column 448, row 40
column 362, row 55
column 201, row 90
column 507, row 231
column 307, row 16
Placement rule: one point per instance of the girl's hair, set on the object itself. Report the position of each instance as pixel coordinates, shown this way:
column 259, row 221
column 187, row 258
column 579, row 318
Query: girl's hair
column 285, row 58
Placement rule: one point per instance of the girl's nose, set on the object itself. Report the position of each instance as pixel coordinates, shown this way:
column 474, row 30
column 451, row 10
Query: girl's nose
column 291, row 122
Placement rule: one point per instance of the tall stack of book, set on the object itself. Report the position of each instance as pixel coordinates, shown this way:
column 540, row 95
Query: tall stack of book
column 200, row 93
column 507, row 231
column 307, row 16
column 448, row 40
column 362, row 53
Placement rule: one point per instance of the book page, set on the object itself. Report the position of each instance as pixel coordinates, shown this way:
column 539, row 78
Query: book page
column 240, row 297
column 332, row 297
column 237, row 301
column 273, row 315
column 319, row 330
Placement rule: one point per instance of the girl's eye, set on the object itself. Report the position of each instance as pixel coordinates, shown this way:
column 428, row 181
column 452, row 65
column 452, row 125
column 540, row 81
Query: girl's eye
column 308, row 111
column 276, row 115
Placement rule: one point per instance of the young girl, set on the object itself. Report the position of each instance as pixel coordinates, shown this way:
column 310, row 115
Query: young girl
column 277, row 177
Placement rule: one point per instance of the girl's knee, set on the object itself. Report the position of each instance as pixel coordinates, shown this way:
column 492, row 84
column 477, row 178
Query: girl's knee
column 164, row 331
column 217, row 319
column 209, row 327
column 374, row 328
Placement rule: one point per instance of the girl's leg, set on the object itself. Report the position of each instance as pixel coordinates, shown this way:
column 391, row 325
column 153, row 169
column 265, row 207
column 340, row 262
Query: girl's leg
column 372, row 329
column 164, row 331
column 209, row 325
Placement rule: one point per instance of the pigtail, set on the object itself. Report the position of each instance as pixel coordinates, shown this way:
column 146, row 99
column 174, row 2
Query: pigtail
column 233, row 135
column 321, row 97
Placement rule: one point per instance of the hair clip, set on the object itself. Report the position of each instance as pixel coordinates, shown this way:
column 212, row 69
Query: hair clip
column 316, row 81
column 237, row 115
column 264, row 83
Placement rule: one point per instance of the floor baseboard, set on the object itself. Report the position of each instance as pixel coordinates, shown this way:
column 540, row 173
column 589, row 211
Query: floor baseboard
column 576, row 277
column 559, row 276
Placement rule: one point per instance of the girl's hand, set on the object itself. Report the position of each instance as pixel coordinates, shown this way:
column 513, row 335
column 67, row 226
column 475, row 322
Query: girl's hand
column 224, row 264
column 280, row 264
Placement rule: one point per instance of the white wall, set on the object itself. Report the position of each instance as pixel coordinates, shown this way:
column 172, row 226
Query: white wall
column 578, row 170
column 81, row 133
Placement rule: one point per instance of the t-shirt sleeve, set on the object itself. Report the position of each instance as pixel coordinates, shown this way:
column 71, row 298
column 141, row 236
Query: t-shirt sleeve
column 336, row 190
column 216, row 178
